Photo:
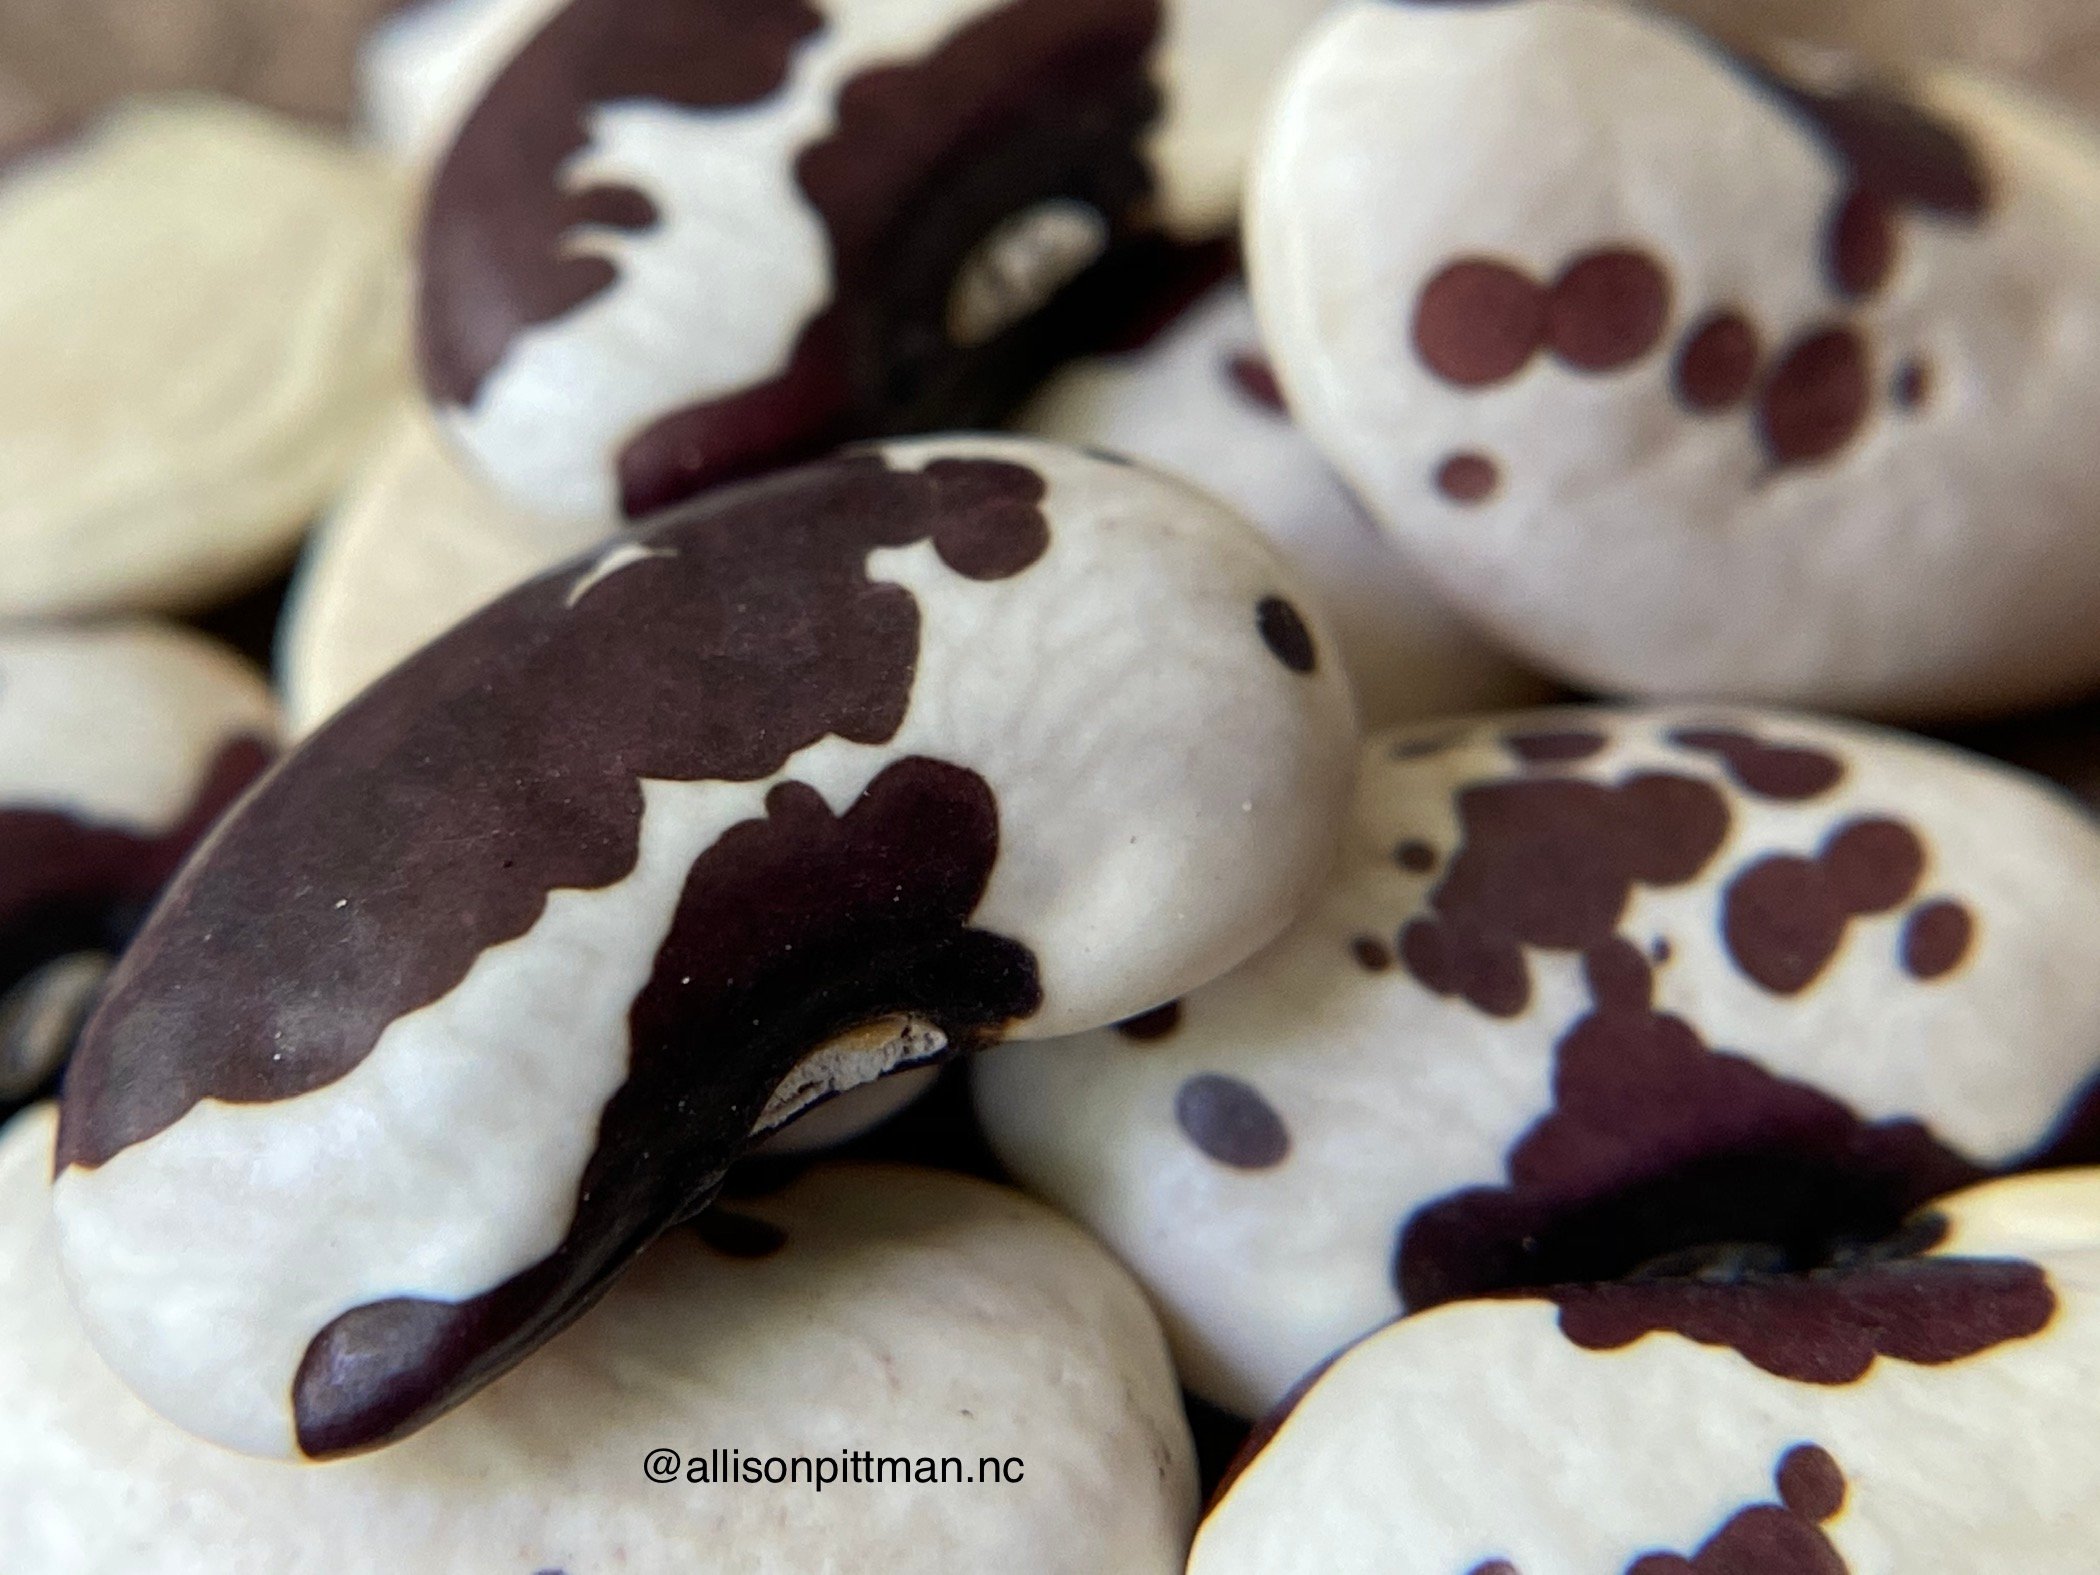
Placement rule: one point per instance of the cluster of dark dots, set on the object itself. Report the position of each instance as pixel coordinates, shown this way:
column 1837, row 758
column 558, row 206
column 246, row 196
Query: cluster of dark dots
column 1482, row 321
column 1372, row 954
column 1785, row 1536
column 1784, row 918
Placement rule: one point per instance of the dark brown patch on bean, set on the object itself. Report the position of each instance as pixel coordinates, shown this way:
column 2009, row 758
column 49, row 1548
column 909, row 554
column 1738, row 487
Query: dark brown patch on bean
column 68, row 885
column 1450, row 962
column 1415, row 856
column 1887, row 145
column 1284, row 632
column 1658, row 1145
column 1827, row 1326
column 1468, row 478
column 1784, row 918
column 754, row 634
column 1913, row 385
column 792, row 929
column 1038, row 100
column 1551, row 863
column 1937, row 939
column 1816, row 400
column 1371, row 954
column 736, row 1235
column 1253, row 376
column 989, row 529
column 495, row 253
column 1231, row 1122
column 615, row 208
column 1479, row 322
column 1150, row 1027
column 1674, row 1184
column 1788, row 772
column 1717, row 367
column 1772, row 1539
column 1860, row 249
column 1551, row 749
column 1607, row 310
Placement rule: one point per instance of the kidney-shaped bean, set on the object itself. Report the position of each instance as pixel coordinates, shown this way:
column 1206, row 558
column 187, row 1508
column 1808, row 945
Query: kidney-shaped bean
column 827, row 776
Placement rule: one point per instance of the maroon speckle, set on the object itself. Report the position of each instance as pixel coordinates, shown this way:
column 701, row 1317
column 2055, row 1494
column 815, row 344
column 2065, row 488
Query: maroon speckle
column 1607, row 310
column 1551, row 863
column 1860, row 249
column 1494, row 1567
column 1810, row 1483
column 1468, row 478
column 1936, row 940
column 1913, row 385
column 737, row 1235
column 1371, row 954
column 1816, row 400
column 1661, row 951
column 1231, row 1122
column 1789, row 772
column 1284, row 632
column 1619, row 978
column 1149, row 1027
column 1718, row 365
column 1547, row 749
column 1785, row 917
column 1253, row 376
column 1873, row 865
column 1771, row 1539
column 1479, row 322
column 1415, row 856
